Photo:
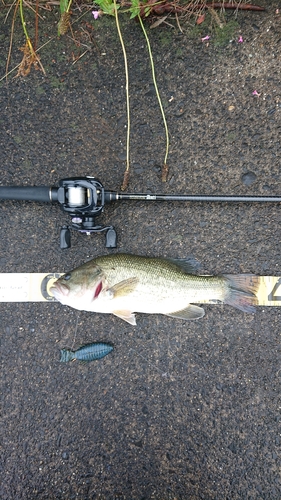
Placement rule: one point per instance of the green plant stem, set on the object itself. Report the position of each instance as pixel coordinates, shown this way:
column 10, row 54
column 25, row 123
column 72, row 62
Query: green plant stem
column 127, row 94
column 156, row 89
column 24, row 28
column 69, row 5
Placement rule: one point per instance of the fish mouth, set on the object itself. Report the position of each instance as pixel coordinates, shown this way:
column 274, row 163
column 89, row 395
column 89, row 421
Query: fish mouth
column 58, row 290
column 61, row 291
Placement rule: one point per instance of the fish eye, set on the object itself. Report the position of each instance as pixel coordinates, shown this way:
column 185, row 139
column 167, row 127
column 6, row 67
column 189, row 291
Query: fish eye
column 67, row 276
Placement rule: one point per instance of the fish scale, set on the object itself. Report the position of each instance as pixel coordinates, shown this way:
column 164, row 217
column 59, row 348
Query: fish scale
column 162, row 274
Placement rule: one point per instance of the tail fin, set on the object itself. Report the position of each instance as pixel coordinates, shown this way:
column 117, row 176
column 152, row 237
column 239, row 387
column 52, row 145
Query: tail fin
column 242, row 290
column 66, row 355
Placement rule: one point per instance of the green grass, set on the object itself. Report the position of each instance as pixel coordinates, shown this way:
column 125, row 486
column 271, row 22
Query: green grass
column 222, row 36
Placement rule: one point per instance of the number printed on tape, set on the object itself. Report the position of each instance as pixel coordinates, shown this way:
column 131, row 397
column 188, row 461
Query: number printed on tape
column 269, row 293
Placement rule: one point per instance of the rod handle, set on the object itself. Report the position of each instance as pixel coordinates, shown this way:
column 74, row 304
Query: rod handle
column 28, row 193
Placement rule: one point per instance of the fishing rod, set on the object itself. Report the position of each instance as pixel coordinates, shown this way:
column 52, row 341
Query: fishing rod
column 84, row 198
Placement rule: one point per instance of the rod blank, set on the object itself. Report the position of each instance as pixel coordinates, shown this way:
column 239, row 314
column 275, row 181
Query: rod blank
column 209, row 198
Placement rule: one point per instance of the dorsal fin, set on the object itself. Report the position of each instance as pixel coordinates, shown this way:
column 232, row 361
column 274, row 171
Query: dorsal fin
column 188, row 265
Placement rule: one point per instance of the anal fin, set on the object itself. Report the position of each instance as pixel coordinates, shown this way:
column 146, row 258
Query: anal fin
column 126, row 316
column 189, row 312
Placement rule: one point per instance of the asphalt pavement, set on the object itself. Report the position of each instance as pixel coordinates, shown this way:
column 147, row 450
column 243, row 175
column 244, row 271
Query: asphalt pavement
column 179, row 410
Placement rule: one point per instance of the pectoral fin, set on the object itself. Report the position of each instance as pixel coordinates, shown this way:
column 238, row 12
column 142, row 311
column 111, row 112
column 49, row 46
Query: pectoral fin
column 126, row 316
column 190, row 312
column 123, row 288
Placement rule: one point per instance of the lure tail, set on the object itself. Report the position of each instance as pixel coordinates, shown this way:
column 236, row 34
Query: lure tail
column 66, row 355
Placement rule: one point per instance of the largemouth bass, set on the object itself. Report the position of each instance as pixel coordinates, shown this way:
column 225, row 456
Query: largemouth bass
column 124, row 284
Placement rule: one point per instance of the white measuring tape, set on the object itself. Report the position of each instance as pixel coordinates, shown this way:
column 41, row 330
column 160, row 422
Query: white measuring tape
column 35, row 287
column 27, row 287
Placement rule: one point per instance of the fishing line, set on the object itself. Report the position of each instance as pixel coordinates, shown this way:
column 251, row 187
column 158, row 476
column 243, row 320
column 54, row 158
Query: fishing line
column 164, row 374
column 75, row 330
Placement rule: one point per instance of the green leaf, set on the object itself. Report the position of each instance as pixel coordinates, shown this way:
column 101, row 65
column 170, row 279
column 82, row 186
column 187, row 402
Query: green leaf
column 147, row 11
column 135, row 8
column 107, row 6
column 63, row 6
column 134, row 12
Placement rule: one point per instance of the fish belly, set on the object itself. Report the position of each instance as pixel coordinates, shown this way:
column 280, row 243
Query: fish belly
column 153, row 300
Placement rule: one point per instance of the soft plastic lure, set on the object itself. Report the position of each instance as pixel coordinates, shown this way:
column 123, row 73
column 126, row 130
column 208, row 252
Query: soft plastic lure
column 88, row 352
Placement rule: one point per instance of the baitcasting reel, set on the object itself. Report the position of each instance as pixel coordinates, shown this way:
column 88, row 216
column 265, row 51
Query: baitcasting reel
column 83, row 199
